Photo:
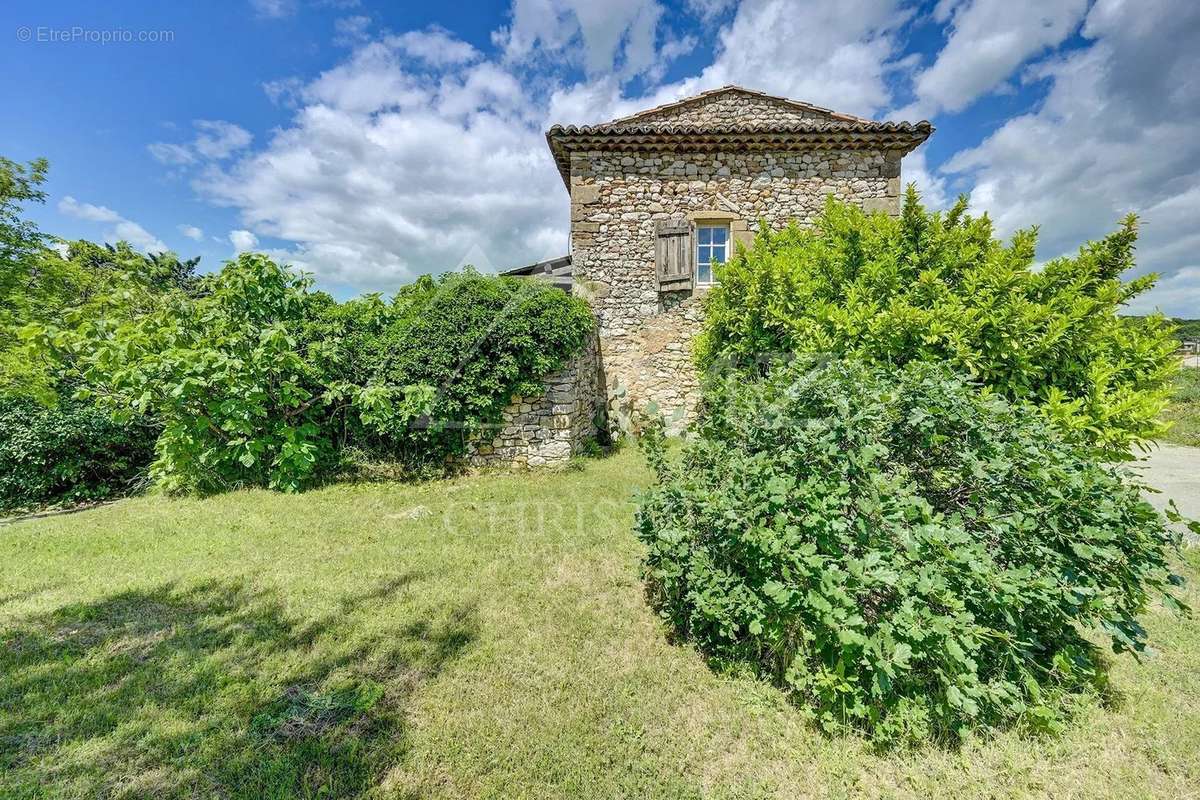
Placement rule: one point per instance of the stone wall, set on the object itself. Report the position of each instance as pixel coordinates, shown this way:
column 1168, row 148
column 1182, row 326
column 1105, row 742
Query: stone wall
column 728, row 108
column 546, row 430
column 616, row 197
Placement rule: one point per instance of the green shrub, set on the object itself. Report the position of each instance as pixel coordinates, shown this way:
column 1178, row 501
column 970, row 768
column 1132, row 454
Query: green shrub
column 70, row 453
column 222, row 372
column 259, row 382
column 939, row 287
column 474, row 343
column 903, row 552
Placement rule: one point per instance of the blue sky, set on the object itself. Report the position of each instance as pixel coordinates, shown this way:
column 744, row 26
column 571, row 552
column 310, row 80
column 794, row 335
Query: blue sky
column 371, row 142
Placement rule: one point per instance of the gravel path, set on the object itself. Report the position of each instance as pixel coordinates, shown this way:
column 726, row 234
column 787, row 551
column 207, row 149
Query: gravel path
column 1175, row 471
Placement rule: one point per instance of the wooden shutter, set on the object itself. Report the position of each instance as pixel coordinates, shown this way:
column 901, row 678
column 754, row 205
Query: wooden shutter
column 673, row 254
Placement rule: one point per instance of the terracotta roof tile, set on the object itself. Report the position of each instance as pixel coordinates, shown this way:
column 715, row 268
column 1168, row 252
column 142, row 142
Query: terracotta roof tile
column 635, row 132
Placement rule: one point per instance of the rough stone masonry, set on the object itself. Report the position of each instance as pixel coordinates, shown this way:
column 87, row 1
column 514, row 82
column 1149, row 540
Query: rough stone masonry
column 730, row 157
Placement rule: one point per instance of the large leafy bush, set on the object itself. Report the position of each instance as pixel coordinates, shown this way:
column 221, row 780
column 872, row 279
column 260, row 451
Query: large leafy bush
column 443, row 359
column 221, row 371
column 68, row 453
column 903, row 552
column 478, row 342
column 940, row 287
column 258, row 381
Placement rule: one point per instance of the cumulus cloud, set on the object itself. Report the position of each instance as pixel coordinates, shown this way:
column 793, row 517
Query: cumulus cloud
column 214, row 139
column 710, row 9
column 349, row 31
column 118, row 227
column 417, row 153
column 191, row 232
column 436, row 47
column 1115, row 133
column 243, row 240
column 384, row 174
column 987, row 41
column 614, row 37
column 850, row 51
column 930, row 184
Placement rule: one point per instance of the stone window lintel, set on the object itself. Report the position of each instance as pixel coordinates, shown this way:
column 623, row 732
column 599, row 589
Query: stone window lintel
column 714, row 216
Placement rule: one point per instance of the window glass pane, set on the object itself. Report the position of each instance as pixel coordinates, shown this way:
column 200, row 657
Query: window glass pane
column 712, row 247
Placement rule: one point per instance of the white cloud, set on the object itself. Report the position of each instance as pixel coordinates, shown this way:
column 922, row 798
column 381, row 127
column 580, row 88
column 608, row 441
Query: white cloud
column 350, row 31
column 191, row 232
column 215, row 139
column 242, row 240
column 384, row 174
column 273, row 9
column 988, row 40
column 219, row 139
column 417, row 154
column 836, row 55
column 930, row 185
column 614, row 37
column 1115, row 133
column 850, row 50
column 92, row 213
column 1176, row 295
column 710, row 9
column 171, row 154
column 119, row 228
column 436, row 47
column 284, row 91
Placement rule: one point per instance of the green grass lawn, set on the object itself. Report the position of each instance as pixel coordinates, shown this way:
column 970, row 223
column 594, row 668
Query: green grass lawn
column 1184, row 411
column 479, row 637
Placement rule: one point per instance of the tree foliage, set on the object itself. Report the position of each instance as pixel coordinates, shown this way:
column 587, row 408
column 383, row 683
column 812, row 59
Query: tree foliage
column 259, row 381
column 939, row 287
column 54, row 449
column 904, row 552
column 20, row 240
column 221, row 371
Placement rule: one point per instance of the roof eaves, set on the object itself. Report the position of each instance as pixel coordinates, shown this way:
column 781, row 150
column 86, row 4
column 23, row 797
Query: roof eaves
column 904, row 136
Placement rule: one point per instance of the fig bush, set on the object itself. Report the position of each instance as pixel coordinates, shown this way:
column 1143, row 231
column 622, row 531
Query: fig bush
column 904, row 552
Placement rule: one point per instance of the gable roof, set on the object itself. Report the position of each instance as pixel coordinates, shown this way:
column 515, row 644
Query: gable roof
column 731, row 90
column 775, row 123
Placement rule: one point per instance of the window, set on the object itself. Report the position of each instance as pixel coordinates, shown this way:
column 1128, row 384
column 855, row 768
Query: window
column 712, row 247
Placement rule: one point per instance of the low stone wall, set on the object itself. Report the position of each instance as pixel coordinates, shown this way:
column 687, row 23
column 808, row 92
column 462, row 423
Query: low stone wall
column 547, row 430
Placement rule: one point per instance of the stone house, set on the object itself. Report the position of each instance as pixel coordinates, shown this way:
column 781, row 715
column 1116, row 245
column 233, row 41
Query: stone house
column 659, row 197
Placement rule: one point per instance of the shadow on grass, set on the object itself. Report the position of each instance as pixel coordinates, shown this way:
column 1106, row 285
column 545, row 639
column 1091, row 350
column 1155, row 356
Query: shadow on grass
column 214, row 691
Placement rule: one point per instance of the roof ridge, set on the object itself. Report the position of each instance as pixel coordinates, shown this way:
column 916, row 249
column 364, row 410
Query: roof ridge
column 732, row 87
column 619, row 127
